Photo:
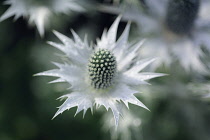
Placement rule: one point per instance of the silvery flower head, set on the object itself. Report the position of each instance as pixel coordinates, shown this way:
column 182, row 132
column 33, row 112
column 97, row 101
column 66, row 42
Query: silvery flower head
column 176, row 30
column 38, row 12
column 106, row 74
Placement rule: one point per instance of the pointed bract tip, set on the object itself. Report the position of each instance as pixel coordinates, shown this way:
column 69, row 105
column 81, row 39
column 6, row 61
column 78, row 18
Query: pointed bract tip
column 38, row 74
column 56, row 114
column 55, row 32
column 73, row 32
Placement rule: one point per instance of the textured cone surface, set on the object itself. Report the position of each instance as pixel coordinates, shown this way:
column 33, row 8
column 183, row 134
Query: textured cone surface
column 181, row 15
column 102, row 69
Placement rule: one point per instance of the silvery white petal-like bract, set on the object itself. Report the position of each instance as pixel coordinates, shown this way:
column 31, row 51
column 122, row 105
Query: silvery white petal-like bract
column 127, row 125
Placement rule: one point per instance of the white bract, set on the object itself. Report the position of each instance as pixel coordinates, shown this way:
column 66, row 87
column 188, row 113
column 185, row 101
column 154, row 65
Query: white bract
column 168, row 44
column 106, row 74
column 128, row 125
column 39, row 12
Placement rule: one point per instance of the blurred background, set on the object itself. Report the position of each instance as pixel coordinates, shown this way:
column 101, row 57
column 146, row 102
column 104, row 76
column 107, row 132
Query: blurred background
column 28, row 103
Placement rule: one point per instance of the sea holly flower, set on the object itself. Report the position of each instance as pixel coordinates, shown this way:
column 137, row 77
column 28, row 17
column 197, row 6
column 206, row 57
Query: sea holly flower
column 39, row 11
column 106, row 74
column 176, row 29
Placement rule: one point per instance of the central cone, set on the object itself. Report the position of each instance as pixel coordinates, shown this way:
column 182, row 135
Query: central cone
column 102, row 69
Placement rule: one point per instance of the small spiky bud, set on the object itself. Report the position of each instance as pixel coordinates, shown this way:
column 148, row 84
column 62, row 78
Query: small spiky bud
column 102, row 69
column 181, row 15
